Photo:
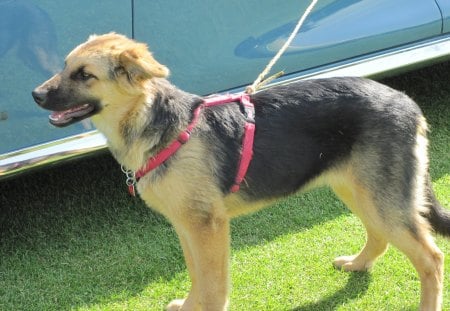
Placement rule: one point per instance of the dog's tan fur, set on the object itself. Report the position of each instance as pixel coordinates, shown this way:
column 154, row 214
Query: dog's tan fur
column 201, row 215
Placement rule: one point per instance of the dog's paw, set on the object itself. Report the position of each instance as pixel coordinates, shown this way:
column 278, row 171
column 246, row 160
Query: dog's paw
column 351, row 263
column 175, row 305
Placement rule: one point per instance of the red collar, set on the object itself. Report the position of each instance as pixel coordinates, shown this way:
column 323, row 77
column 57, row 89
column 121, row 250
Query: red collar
column 166, row 153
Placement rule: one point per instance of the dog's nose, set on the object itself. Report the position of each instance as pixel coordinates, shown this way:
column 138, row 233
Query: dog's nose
column 39, row 96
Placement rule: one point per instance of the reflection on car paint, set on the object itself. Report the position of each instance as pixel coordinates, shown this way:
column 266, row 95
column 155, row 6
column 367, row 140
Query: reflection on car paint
column 30, row 31
column 269, row 43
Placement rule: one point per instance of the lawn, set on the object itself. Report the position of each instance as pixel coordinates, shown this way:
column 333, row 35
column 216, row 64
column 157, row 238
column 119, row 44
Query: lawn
column 72, row 239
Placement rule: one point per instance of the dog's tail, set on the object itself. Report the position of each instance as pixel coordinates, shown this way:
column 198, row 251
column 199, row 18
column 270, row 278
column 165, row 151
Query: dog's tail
column 438, row 217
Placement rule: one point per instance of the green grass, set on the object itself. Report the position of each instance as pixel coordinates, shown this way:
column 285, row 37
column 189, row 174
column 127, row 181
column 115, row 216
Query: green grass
column 72, row 239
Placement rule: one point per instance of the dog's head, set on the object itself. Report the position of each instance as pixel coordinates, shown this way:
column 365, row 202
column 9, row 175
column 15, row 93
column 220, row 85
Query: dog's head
column 97, row 74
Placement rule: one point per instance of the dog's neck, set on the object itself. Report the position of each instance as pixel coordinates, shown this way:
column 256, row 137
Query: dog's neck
column 146, row 123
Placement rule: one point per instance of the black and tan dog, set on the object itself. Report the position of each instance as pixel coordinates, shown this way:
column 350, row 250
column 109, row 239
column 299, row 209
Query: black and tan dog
column 366, row 141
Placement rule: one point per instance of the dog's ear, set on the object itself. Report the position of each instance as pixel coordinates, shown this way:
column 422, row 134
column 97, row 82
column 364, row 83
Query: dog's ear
column 139, row 65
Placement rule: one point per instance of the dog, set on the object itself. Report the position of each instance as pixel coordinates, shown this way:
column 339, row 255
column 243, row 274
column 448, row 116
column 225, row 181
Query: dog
column 365, row 140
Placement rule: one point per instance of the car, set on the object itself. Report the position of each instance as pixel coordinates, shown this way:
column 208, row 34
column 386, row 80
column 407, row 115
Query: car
column 211, row 47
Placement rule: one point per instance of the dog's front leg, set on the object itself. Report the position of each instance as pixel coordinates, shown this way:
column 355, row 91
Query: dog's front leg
column 192, row 302
column 205, row 239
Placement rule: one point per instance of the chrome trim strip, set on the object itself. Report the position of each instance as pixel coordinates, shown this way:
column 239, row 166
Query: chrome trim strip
column 373, row 65
column 56, row 151
column 381, row 64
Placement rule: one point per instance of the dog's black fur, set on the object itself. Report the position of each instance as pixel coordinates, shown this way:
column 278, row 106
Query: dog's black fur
column 325, row 118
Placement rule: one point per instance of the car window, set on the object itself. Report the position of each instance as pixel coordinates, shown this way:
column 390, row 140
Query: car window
column 35, row 36
column 226, row 43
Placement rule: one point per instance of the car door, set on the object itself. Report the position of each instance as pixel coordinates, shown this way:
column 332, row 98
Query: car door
column 212, row 46
column 444, row 6
column 34, row 38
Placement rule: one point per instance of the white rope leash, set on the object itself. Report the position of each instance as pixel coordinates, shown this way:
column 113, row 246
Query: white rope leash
column 259, row 81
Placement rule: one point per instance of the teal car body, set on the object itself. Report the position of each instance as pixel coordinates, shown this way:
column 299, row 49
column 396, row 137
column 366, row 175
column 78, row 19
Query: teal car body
column 210, row 47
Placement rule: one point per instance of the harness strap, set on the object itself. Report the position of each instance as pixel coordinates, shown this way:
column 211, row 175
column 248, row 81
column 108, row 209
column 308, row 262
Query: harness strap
column 183, row 137
column 165, row 154
column 247, row 142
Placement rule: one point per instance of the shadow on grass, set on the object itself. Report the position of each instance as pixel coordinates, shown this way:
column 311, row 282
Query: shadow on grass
column 357, row 285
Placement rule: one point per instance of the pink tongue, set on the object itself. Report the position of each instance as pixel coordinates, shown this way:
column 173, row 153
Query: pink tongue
column 67, row 115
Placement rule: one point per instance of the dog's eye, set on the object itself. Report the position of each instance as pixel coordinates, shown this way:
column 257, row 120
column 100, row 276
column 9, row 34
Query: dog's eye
column 82, row 75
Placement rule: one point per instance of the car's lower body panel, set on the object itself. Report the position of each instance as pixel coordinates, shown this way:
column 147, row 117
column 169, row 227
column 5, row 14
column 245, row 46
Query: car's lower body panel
column 374, row 65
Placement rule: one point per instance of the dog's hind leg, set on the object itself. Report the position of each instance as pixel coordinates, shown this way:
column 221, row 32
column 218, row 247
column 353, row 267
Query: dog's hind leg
column 375, row 246
column 354, row 197
column 399, row 223
column 428, row 260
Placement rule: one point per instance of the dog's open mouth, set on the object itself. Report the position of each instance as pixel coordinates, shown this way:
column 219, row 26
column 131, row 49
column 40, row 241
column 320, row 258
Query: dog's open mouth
column 72, row 115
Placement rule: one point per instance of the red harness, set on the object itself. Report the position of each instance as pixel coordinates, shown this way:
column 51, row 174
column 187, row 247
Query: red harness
column 166, row 153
